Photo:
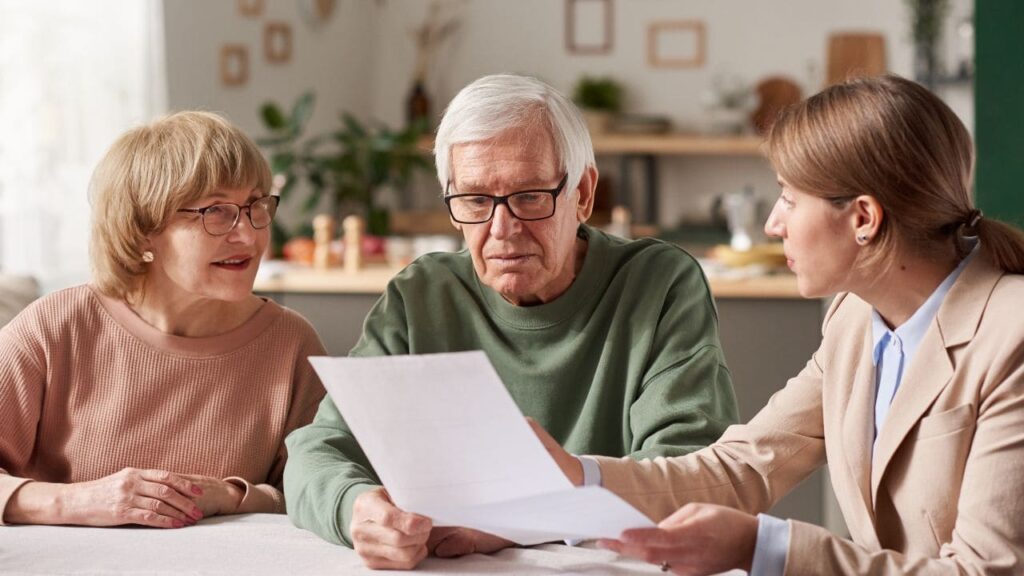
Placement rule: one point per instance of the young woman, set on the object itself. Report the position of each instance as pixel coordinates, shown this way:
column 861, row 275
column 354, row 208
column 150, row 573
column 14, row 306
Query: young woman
column 915, row 399
column 162, row 392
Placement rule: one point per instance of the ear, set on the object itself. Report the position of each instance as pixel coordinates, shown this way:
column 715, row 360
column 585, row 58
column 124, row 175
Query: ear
column 866, row 218
column 585, row 196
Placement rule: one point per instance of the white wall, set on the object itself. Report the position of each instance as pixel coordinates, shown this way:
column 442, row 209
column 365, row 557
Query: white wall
column 363, row 61
column 333, row 60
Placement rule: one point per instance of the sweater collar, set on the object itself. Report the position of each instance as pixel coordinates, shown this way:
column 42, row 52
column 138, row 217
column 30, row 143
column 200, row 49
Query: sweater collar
column 561, row 308
column 207, row 346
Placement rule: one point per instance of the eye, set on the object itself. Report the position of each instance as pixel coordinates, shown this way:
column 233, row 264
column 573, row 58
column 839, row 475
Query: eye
column 216, row 210
column 477, row 201
column 530, row 197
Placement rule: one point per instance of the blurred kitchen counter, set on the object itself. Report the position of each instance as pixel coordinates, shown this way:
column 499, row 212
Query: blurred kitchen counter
column 281, row 277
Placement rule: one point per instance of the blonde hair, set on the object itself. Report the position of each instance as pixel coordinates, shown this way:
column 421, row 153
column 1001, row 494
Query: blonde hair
column 152, row 171
column 892, row 139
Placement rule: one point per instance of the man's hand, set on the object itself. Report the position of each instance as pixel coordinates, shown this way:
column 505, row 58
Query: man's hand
column 697, row 539
column 451, row 542
column 385, row 537
column 570, row 465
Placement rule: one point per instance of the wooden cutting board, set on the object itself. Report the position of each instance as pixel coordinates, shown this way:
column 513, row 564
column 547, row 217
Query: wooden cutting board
column 774, row 93
column 854, row 54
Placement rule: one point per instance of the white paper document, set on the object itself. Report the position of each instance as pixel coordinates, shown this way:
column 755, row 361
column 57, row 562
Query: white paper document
column 448, row 442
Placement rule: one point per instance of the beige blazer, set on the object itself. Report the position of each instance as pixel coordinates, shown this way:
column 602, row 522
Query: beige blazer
column 943, row 492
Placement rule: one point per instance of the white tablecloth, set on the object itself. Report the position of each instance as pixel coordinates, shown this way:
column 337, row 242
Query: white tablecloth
column 253, row 545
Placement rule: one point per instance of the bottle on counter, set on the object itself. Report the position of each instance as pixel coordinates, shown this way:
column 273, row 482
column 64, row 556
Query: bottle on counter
column 621, row 223
column 353, row 227
column 323, row 233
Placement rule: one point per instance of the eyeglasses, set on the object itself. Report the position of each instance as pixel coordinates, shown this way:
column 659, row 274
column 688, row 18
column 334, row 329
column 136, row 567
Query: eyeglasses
column 528, row 205
column 219, row 219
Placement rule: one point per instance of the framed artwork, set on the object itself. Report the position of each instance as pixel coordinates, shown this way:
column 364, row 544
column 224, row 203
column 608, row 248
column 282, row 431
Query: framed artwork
column 589, row 26
column 234, row 65
column 277, row 42
column 317, row 12
column 676, row 44
column 250, row 8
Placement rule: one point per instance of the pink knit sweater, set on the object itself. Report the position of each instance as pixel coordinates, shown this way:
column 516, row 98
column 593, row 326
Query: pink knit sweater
column 88, row 388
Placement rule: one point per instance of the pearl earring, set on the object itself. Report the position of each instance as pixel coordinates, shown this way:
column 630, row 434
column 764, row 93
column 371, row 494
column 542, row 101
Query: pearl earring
column 147, row 256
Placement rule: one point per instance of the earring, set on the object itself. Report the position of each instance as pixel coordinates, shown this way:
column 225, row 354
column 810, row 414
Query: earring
column 862, row 239
column 147, row 256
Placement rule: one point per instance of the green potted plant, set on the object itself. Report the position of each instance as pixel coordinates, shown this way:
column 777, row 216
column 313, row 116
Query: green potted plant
column 927, row 20
column 347, row 167
column 599, row 99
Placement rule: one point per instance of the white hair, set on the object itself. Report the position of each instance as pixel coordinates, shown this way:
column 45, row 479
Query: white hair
column 494, row 104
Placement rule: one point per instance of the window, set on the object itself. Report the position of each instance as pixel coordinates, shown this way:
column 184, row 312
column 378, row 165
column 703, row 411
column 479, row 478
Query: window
column 73, row 76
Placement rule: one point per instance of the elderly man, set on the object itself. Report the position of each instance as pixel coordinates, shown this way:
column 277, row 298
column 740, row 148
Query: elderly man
column 611, row 345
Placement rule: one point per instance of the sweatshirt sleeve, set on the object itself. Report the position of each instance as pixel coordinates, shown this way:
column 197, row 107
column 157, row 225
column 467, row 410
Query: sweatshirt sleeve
column 327, row 470
column 22, row 388
column 686, row 399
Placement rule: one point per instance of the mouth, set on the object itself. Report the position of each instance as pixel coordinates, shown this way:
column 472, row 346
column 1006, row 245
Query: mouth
column 509, row 259
column 235, row 263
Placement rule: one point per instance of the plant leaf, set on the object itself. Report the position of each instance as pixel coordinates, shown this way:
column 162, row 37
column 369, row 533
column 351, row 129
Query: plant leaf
column 272, row 116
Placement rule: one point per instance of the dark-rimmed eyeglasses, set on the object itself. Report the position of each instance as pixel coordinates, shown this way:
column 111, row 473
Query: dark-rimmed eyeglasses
column 219, row 219
column 528, row 205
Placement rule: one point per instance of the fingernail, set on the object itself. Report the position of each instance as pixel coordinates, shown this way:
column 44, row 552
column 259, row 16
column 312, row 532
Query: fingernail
column 197, row 490
column 178, row 524
column 197, row 513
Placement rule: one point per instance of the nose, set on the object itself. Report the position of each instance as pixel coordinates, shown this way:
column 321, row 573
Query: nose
column 774, row 226
column 504, row 224
column 244, row 232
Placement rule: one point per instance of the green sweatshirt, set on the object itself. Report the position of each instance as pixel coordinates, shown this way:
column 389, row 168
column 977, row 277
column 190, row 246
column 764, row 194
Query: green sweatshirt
column 626, row 362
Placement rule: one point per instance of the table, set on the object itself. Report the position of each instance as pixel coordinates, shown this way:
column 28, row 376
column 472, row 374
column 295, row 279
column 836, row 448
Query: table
column 257, row 544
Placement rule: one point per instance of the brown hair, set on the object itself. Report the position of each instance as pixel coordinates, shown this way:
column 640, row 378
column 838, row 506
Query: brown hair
column 152, row 171
column 892, row 139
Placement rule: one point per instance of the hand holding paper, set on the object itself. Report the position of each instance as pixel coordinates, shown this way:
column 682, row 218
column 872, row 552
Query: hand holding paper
column 448, row 442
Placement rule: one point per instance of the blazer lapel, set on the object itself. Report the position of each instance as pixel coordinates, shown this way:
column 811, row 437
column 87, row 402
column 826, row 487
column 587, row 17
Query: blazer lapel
column 932, row 367
column 930, row 372
column 858, row 428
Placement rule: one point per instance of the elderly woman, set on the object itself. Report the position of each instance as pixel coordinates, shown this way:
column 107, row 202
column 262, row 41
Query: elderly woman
column 162, row 392
column 916, row 395
column 611, row 344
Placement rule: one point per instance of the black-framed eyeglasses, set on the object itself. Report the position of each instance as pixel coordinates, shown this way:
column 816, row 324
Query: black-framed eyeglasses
column 219, row 219
column 528, row 205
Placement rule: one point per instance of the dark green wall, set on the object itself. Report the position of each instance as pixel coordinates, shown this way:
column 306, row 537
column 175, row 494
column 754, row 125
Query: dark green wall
column 999, row 108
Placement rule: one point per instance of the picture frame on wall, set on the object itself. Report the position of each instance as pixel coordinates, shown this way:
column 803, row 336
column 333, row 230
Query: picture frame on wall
column 250, row 8
column 676, row 44
column 589, row 26
column 277, row 42
column 234, row 65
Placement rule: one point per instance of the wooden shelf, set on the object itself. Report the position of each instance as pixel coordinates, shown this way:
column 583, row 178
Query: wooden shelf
column 678, row 144
column 662, row 144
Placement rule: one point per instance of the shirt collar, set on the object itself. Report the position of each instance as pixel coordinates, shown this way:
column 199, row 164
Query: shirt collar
column 913, row 330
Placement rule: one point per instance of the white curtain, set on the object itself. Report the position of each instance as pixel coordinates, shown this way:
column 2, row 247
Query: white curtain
column 73, row 76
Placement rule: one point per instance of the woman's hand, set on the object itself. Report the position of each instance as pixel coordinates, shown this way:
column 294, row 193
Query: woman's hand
column 154, row 498
column 697, row 539
column 570, row 465
column 218, row 496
